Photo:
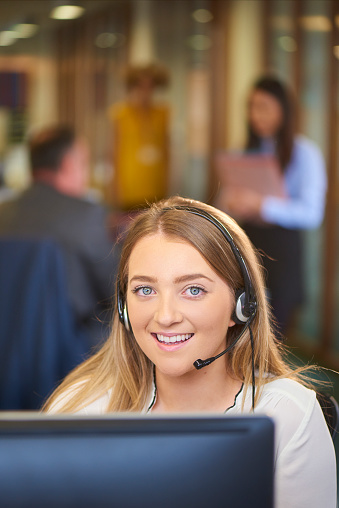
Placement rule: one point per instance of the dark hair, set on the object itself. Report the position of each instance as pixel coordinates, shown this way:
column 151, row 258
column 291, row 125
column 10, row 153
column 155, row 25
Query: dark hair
column 286, row 132
column 48, row 147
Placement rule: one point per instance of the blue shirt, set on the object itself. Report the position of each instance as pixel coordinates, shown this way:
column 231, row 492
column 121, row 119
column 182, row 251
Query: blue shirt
column 306, row 184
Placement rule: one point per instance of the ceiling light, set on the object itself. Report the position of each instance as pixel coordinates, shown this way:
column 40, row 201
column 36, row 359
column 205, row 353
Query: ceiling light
column 199, row 42
column 25, row 30
column 67, row 12
column 287, row 43
column 7, row 38
column 202, row 15
column 109, row 40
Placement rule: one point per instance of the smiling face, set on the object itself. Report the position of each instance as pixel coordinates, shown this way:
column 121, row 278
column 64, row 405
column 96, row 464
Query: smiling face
column 179, row 308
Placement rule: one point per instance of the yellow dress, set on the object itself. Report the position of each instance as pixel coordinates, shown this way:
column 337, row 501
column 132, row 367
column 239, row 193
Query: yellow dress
column 140, row 154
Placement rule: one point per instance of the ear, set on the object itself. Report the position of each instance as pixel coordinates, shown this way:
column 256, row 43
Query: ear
column 231, row 323
column 66, row 163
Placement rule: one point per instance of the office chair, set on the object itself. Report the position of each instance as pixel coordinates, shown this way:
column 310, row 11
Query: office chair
column 330, row 408
column 39, row 340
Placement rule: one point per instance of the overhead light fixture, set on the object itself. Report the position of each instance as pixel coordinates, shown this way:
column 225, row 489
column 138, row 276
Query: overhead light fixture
column 199, row 42
column 7, row 37
column 316, row 23
column 202, row 15
column 67, row 12
column 287, row 43
column 110, row 40
column 25, row 30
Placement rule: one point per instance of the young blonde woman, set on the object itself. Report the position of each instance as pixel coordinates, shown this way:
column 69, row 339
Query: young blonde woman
column 191, row 333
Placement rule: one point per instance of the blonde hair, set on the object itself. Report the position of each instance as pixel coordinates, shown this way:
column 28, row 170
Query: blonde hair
column 122, row 369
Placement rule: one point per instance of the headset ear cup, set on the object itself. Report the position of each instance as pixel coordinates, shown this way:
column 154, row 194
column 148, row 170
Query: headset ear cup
column 126, row 319
column 120, row 306
column 122, row 311
column 239, row 315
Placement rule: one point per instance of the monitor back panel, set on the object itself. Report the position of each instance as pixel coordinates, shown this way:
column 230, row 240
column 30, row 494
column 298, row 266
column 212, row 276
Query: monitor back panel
column 129, row 462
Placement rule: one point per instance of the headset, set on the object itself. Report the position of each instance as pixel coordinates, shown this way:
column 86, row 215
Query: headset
column 245, row 300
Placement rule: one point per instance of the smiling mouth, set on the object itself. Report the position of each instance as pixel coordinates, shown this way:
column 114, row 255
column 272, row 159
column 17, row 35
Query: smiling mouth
column 175, row 339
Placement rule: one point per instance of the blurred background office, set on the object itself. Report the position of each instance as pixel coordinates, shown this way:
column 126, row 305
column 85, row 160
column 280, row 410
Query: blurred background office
column 67, row 65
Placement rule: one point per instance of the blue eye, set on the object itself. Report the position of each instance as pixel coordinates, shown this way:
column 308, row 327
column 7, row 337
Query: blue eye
column 194, row 291
column 146, row 291
column 142, row 290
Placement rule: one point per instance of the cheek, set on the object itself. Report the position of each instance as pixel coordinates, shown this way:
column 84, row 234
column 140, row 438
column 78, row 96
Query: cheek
column 278, row 119
column 139, row 314
column 274, row 117
column 139, row 321
column 215, row 319
column 258, row 119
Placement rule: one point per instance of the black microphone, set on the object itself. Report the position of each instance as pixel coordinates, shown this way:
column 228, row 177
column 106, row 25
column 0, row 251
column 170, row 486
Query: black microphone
column 199, row 364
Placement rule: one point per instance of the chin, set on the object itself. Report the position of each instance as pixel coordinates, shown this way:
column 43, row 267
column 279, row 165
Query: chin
column 175, row 371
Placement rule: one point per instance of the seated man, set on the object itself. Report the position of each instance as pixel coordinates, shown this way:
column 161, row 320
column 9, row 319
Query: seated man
column 55, row 207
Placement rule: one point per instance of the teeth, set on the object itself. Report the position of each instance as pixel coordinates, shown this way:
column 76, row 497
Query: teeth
column 174, row 338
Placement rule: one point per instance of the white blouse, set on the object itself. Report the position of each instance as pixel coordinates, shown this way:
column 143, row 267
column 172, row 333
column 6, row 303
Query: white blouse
column 305, row 462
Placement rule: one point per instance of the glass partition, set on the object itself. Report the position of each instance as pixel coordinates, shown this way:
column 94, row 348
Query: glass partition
column 315, row 24
column 283, row 44
column 300, row 34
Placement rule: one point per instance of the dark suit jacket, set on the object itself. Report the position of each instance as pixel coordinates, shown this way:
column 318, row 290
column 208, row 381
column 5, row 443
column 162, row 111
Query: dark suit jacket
column 79, row 227
column 39, row 340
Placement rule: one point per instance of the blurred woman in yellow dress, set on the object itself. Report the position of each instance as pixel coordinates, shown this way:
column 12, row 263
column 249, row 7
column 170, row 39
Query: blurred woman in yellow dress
column 140, row 140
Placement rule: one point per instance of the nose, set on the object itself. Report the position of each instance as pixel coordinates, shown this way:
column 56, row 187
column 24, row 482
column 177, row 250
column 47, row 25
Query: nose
column 167, row 311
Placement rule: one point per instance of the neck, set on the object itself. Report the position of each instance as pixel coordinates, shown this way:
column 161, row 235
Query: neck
column 57, row 180
column 211, row 389
column 47, row 177
column 136, row 102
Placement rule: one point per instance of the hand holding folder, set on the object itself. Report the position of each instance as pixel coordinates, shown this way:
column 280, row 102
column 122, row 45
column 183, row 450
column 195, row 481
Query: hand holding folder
column 245, row 179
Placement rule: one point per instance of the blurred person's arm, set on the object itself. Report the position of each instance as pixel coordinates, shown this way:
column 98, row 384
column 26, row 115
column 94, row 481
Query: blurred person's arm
column 102, row 254
column 306, row 184
column 94, row 263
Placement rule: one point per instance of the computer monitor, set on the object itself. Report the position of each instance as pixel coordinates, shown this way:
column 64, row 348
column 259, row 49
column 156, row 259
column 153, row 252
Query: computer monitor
column 132, row 461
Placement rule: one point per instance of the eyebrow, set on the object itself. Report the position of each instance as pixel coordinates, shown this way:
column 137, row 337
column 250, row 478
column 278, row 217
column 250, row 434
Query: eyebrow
column 177, row 280
column 143, row 278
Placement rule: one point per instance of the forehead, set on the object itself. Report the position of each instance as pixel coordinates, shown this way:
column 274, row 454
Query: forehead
column 159, row 252
column 263, row 98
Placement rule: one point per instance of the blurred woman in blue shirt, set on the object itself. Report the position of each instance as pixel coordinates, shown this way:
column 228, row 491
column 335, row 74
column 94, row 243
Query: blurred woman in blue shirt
column 274, row 224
